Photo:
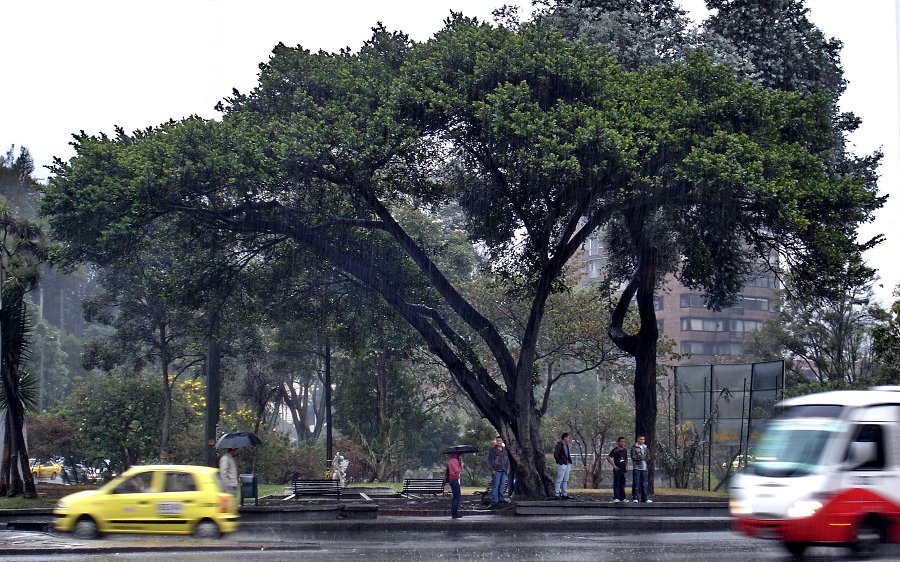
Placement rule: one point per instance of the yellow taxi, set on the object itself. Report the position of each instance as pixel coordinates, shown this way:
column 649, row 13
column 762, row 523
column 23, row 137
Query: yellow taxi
column 46, row 469
column 163, row 499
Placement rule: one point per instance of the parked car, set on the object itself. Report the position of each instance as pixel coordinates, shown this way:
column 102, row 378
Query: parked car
column 163, row 499
column 45, row 469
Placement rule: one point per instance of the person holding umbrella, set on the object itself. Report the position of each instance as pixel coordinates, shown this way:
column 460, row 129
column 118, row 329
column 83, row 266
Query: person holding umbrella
column 228, row 470
column 454, row 467
column 227, row 465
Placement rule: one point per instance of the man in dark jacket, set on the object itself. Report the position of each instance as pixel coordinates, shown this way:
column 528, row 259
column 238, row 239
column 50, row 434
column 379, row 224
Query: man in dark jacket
column 563, row 467
column 498, row 463
column 618, row 458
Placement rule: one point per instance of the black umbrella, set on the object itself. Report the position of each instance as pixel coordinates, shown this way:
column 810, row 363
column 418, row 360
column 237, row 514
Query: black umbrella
column 461, row 449
column 238, row 439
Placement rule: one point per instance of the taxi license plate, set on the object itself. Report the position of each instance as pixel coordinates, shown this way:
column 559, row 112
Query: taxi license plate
column 169, row 508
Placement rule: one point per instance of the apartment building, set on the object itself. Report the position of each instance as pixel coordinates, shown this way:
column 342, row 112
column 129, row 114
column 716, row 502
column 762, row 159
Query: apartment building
column 710, row 337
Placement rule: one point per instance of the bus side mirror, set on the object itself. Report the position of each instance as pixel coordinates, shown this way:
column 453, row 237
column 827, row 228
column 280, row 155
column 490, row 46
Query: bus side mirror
column 862, row 452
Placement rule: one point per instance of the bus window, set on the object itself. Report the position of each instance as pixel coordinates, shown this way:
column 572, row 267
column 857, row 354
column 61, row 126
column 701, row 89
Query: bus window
column 870, row 433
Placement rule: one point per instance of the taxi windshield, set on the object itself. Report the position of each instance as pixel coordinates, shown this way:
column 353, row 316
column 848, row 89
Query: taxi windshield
column 794, row 447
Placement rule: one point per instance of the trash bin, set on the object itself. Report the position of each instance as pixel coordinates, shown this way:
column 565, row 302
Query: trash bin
column 249, row 488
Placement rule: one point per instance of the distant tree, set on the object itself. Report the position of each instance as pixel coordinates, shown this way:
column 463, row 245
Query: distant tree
column 636, row 32
column 152, row 327
column 17, row 185
column 786, row 50
column 829, row 340
column 886, row 345
column 594, row 423
column 52, row 436
column 48, row 360
column 119, row 417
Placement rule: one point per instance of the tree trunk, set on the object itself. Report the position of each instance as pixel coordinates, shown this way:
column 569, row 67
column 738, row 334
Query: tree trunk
column 213, row 389
column 329, row 436
column 521, row 433
column 641, row 346
column 167, row 397
column 645, row 363
column 4, row 460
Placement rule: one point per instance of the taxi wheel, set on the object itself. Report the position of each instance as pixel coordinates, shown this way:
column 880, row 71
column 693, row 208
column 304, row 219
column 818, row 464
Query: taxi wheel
column 85, row 528
column 207, row 529
column 53, row 476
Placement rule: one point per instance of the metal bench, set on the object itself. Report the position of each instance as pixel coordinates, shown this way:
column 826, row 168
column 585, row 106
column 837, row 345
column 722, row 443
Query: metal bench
column 315, row 488
column 423, row 486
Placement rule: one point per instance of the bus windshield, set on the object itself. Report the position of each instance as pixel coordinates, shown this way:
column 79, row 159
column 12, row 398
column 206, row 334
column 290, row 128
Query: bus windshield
column 794, row 447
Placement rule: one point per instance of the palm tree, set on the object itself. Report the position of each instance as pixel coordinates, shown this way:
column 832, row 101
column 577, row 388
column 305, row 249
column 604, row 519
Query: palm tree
column 22, row 249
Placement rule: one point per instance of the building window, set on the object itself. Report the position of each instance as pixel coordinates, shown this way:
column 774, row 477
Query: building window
column 743, row 326
column 690, row 300
column 658, row 302
column 763, row 282
column 701, row 325
column 736, row 325
column 754, row 303
column 711, row 348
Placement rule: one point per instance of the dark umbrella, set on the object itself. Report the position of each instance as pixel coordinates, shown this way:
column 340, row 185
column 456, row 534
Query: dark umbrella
column 461, row 449
column 238, row 439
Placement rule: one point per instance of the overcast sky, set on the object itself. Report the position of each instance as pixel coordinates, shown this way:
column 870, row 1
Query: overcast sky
column 93, row 64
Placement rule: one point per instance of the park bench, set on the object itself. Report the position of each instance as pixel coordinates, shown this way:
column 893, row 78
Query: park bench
column 316, row 488
column 423, row 486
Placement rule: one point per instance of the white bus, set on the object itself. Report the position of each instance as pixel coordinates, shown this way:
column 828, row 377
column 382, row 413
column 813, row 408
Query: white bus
column 826, row 471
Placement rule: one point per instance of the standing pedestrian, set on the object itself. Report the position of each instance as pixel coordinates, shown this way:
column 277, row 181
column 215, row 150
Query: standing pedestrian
column 563, row 459
column 618, row 458
column 228, row 470
column 454, row 467
column 639, row 483
column 498, row 463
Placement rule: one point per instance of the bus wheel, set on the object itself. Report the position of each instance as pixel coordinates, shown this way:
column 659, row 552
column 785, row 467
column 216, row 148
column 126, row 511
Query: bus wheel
column 796, row 548
column 867, row 536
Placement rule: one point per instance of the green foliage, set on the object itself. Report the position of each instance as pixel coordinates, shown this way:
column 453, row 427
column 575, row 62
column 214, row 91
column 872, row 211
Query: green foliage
column 118, row 416
column 49, row 361
column 787, row 51
column 828, row 341
column 887, row 346
column 17, row 186
column 636, row 32
column 594, row 423
column 52, row 436
column 279, row 461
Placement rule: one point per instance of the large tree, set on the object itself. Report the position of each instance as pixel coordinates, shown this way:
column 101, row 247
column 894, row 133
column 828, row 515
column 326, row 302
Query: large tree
column 719, row 228
column 540, row 142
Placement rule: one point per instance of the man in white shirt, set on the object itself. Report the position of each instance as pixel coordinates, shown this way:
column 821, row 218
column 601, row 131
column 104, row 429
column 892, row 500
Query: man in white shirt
column 228, row 470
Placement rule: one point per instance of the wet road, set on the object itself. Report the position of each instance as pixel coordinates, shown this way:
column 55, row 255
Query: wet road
column 450, row 545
